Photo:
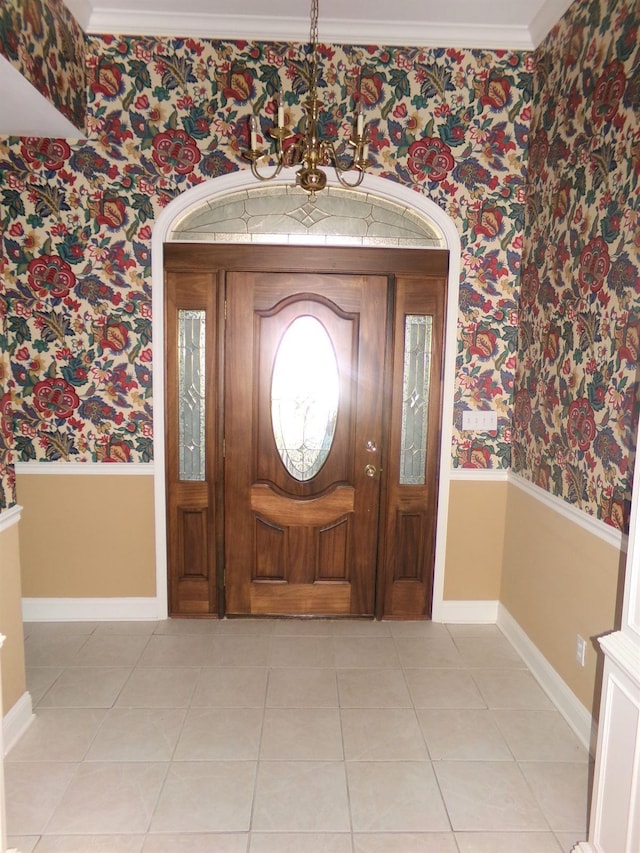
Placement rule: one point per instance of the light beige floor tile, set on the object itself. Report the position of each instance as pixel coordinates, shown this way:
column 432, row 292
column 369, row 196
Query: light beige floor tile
column 373, row 688
column 301, row 796
column 462, row 735
column 420, row 629
column 131, row 627
column 137, row 734
column 111, row 650
column 231, row 687
column 437, row 652
column 52, row 630
column 382, row 734
column 86, row 687
column 302, row 651
column 395, row 796
column 205, row 627
column 220, row 734
column 300, row 687
column 488, row 652
column 303, row 628
column 32, row 791
column 205, row 797
column 488, row 796
column 240, row 650
column 304, row 734
column 461, row 631
column 178, row 650
column 108, row 798
column 510, row 688
column 359, row 628
column 561, row 790
column 507, row 842
column 367, row 652
column 247, row 627
column 39, row 680
column 568, row 840
column 90, row 844
column 539, row 736
column 443, row 688
column 159, row 687
column 23, row 843
column 219, row 842
column 57, row 650
column 405, row 842
column 297, row 842
column 58, row 735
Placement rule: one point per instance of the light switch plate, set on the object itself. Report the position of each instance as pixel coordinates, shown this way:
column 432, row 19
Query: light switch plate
column 480, row 421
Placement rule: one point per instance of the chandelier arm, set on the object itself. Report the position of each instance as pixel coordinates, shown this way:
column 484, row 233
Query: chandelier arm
column 262, row 177
column 347, row 184
column 308, row 150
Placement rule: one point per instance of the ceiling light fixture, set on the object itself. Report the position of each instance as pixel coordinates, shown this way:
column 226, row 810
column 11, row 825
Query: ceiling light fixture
column 308, row 150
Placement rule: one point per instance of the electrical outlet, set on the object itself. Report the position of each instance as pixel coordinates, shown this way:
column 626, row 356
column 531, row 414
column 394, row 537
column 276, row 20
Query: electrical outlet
column 581, row 649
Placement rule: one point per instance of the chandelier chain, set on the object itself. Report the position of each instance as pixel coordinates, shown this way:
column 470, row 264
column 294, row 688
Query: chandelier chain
column 313, row 40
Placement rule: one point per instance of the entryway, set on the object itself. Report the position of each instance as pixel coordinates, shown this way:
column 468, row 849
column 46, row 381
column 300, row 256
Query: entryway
column 336, row 519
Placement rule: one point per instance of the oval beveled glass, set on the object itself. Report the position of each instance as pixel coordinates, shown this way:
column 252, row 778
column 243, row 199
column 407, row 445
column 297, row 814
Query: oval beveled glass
column 304, row 397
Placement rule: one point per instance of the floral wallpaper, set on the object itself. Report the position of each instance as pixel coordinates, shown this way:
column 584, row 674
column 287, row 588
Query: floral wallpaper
column 576, row 384
column 42, row 39
column 165, row 114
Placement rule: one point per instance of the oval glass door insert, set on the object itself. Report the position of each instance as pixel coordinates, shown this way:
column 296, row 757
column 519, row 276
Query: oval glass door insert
column 304, row 397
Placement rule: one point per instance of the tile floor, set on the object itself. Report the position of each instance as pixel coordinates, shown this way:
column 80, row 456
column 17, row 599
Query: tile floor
column 289, row 736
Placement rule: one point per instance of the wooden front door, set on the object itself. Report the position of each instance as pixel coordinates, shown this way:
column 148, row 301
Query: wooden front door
column 246, row 534
column 296, row 545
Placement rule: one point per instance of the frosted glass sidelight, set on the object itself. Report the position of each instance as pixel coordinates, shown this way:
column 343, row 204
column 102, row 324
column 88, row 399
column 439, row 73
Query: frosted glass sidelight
column 191, row 419
column 415, row 398
column 304, row 397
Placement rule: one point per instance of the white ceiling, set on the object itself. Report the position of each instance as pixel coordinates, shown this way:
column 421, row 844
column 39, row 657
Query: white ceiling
column 508, row 24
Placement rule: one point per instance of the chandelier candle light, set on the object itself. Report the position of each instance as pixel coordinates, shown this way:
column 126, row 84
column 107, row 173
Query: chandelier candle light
column 309, row 151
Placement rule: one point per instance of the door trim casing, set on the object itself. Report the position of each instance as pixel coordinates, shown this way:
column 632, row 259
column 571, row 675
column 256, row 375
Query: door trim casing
column 213, row 192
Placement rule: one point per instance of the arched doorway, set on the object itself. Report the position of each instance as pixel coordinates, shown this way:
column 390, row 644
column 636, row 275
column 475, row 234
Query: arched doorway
column 215, row 193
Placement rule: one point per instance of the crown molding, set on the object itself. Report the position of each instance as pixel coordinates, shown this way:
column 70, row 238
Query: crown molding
column 97, row 19
column 332, row 31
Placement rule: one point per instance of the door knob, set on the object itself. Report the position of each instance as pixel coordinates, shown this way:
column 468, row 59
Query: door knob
column 370, row 470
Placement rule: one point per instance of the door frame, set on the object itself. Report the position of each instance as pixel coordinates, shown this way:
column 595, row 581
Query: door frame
column 214, row 192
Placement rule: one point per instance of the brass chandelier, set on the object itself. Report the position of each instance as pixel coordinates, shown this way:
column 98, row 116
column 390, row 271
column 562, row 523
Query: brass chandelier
column 309, row 151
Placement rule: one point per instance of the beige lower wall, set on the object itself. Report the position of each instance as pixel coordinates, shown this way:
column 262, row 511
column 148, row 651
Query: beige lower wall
column 560, row 580
column 13, row 674
column 475, row 540
column 84, row 536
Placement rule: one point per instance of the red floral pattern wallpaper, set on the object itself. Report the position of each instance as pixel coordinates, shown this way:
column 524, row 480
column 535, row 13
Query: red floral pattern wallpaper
column 43, row 40
column 576, row 384
column 165, row 114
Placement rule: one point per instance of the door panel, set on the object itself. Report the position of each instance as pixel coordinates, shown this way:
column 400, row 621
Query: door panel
column 295, row 546
column 406, row 567
column 304, row 545
column 190, row 493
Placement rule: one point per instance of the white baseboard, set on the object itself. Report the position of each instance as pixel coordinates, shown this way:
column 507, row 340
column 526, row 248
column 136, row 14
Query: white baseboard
column 16, row 721
column 462, row 612
column 90, row 609
column 571, row 708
